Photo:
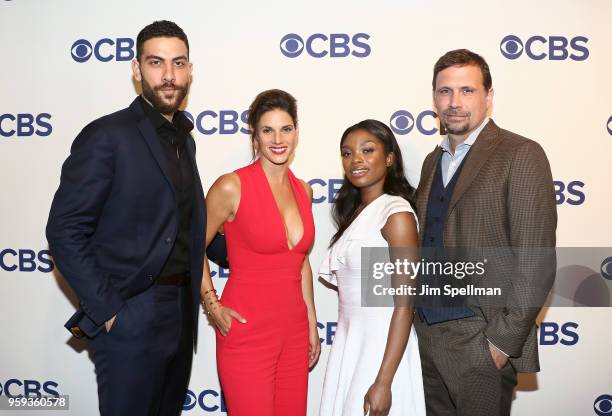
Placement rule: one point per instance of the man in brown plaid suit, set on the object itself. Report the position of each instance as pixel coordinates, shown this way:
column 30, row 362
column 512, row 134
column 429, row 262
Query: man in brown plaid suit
column 482, row 187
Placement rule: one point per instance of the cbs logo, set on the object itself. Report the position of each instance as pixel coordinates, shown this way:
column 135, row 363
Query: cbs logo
column 222, row 122
column 324, row 190
column 329, row 329
column 402, row 122
column 26, row 260
column 606, row 268
column 208, row 400
column 25, row 125
column 552, row 334
column 104, row 50
column 216, row 270
column 555, row 48
column 603, row 405
column 609, row 126
column 28, row 388
column 319, row 45
column 570, row 193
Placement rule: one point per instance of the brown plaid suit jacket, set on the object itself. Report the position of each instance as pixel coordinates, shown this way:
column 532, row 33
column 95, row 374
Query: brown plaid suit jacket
column 504, row 197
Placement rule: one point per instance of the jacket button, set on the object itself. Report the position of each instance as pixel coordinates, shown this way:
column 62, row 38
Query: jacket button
column 168, row 240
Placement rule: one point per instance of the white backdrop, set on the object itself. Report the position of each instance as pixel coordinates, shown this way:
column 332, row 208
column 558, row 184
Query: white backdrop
column 554, row 88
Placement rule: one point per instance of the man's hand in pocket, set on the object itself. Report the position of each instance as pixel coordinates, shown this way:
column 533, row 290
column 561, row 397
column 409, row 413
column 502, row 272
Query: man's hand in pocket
column 109, row 324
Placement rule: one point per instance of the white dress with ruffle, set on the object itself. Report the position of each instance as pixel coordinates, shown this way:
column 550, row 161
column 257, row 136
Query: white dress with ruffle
column 361, row 335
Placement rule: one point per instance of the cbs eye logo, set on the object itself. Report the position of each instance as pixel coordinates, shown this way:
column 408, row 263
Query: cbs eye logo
column 207, row 400
column 606, row 268
column 291, row 45
column 555, row 48
column 402, row 122
column 319, row 45
column 511, row 47
column 81, row 50
column 190, row 400
column 603, row 405
column 609, row 126
column 104, row 50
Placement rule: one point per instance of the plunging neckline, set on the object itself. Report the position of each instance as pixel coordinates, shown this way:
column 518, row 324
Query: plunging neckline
column 278, row 211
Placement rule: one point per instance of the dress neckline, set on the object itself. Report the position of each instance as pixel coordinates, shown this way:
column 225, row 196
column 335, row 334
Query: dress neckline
column 357, row 218
column 284, row 228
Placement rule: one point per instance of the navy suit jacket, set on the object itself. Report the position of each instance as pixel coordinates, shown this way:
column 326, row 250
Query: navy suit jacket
column 113, row 220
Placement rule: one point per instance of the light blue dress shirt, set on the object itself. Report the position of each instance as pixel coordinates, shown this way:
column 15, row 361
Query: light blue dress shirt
column 450, row 162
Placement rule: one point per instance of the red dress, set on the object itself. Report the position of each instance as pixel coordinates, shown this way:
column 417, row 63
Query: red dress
column 263, row 364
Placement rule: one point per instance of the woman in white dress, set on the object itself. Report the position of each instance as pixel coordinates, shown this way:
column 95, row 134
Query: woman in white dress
column 374, row 365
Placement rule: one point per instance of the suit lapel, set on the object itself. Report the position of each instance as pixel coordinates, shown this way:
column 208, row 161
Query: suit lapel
column 190, row 151
column 198, row 214
column 478, row 155
column 150, row 137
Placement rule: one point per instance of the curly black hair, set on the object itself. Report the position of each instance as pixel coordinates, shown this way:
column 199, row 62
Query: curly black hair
column 159, row 29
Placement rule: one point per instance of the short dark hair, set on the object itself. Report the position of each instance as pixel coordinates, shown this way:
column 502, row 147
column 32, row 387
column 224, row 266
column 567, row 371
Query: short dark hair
column 271, row 100
column 463, row 57
column 159, row 29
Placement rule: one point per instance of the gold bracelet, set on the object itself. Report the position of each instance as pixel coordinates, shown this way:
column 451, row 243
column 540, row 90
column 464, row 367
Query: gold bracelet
column 208, row 312
column 204, row 305
column 209, row 297
column 209, row 290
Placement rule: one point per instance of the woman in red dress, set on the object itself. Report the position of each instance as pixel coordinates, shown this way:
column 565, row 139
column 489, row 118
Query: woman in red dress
column 266, row 322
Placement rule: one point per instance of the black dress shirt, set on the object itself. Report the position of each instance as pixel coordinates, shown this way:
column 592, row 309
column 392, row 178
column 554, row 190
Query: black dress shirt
column 172, row 137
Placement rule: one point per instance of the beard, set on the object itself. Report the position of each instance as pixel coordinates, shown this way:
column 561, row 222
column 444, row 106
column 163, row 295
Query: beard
column 456, row 127
column 157, row 96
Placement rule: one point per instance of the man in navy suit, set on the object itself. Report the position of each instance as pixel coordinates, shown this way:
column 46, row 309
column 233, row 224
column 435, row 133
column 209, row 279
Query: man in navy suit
column 126, row 229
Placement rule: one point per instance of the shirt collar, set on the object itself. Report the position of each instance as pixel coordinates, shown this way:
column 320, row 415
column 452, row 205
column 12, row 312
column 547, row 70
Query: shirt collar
column 179, row 121
column 469, row 141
